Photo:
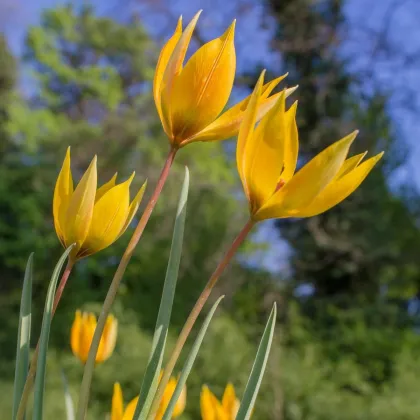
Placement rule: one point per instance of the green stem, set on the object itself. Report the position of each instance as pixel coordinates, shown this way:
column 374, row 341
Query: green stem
column 32, row 370
column 112, row 291
column 194, row 315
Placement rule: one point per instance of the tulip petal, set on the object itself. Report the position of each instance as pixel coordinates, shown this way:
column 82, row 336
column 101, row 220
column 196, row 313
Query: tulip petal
column 172, row 70
column 105, row 188
column 308, row 182
column 203, row 87
column 80, row 209
column 228, row 124
column 340, row 189
column 75, row 333
column 265, row 154
column 162, row 63
column 62, row 195
column 108, row 339
column 208, row 411
column 349, row 164
column 229, row 401
column 88, row 325
column 134, row 206
column 181, row 402
column 117, row 407
column 245, row 134
column 131, row 408
column 291, row 147
column 109, row 216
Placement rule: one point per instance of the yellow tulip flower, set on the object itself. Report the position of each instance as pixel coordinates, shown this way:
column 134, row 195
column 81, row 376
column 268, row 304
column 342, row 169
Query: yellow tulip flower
column 119, row 413
column 267, row 156
column 82, row 332
column 92, row 219
column 213, row 409
column 190, row 98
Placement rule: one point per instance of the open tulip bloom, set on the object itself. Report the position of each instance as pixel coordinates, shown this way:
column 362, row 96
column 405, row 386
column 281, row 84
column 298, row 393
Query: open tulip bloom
column 190, row 99
column 91, row 219
column 267, row 157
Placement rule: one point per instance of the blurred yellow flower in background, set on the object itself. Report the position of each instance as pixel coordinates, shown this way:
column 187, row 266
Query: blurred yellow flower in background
column 267, row 157
column 190, row 98
column 213, row 409
column 82, row 332
column 89, row 217
column 119, row 413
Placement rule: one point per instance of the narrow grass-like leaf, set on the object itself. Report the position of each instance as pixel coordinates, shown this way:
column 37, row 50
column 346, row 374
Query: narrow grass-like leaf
column 24, row 335
column 258, row 369
column 44, row 337
column 190, row 361
column 151, row 376
column 67, row 398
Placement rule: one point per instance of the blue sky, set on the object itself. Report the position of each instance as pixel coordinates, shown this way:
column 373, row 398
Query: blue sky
column 396, row 21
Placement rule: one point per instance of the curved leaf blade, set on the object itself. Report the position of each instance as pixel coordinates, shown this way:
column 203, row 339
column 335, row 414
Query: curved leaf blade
column 190, row 362
column 258, row 369
column 24, row 336
column 44, row 337
column 151, row 376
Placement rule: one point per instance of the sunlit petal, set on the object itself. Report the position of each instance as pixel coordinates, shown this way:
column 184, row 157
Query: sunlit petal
column 245, row 133
column 80, row 209
column 62, row 195
column 340, row 189
column 117, row 407
column 162, row 63
column 131, row 408
column 109, row 217
column 203, row 87
column 228, row 124
column 308, row 182
column 172, row 70
column 105, row 188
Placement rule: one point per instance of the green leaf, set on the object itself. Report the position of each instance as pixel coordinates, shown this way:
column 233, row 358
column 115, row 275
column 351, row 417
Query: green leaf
column 258, row 369
column 24, row 335
column 67, row 398
column 190, row 361
column 44, row 337
column 151, row 376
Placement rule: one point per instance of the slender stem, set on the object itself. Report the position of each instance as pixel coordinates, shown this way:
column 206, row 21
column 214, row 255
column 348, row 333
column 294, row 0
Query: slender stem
column 195, row 312
column 112, row 291
column 32, row 370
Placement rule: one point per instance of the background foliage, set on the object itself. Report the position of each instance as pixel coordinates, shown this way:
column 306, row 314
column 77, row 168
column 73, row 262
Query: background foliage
column 347, row 344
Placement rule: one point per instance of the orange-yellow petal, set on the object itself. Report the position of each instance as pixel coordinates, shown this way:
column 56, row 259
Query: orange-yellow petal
column 105, row 188
column 181, row 402
column 229, row 401
column 245, row 134
column 80, row 209
column 134, row 206
column 162, row 63
column 349, row 164
column 291, row 147
column 109, row 217
column 173, row 69
column 117, row 407
column 202, row 89
column 265, row 154
column 208, row 411
column 75, row 333
column 62, row 195
column 340, row 189
column 88, row 325
column 131, row 408
column 108, row 339
column 228, row 124
column 308, row 182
